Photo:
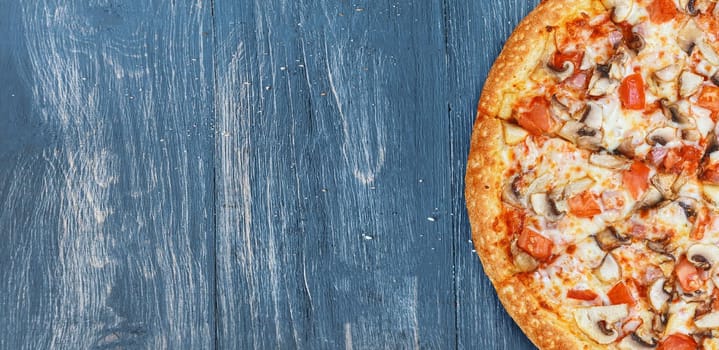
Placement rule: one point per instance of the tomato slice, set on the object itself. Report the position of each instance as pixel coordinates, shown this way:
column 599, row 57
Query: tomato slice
column 620, row 294
column 678, row 341
column 631, row 92
column 636, row 179
column 683, row 160
column 536, row 245
column 688, row 275
column 581, row 294
column 537, row 119
column 584, row 205
column 709, row 98
column 661, row 11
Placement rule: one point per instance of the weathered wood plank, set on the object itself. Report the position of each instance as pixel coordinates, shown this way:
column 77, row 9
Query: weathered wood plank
column 477, row 31
column 106, row 207
column 334, row 226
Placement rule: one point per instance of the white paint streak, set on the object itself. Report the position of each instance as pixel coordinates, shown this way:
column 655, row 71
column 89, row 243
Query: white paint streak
column 348, row 336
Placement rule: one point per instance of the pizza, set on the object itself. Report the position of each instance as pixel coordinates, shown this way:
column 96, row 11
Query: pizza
column 592, row 183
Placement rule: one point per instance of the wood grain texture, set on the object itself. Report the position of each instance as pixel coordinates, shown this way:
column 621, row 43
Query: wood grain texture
column 333, row 215
column 106, row 188
column 243, row 174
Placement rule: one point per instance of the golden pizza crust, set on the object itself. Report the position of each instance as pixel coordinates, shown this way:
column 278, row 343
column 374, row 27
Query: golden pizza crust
column 484, row 179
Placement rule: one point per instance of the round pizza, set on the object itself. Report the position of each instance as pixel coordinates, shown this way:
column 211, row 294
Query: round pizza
column 592, row 184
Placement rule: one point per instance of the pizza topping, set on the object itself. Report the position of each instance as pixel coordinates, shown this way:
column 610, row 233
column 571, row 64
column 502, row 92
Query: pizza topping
column 661, row 136
column 709, row 320
column 582, row 294
column 635, row 342
column 678, row 341
column 688, row 275
column 709, row 98
column 688, row 36
column 609, row 270
column 664, row 183
column 523, row 261
column 584, row 205
column 690, row 7
column 608, row 161
column 513, row 134
column 609, row 238
column 620, row 294
column 545, row 206
column 636, row 179
column 708, row 52
column 668, row 73
column 673, row 113
column 703, row 256
column 631, row 92
column 689, row 83
column 658, row 297
column 599, row 322
column 535, row 244
column 661, row 11
column 537, row 119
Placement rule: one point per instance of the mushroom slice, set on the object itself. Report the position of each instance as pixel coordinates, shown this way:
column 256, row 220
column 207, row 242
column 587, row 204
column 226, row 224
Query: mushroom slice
column 689, row 83
column 599, row 322
column 592, row 116
column 707, row 321
column 544, row 206
column 703, row 256
column 636, row 43
column 664, row 182
column 711, row 192
column 658, row 297
column 602, row 86
column 622, row 10
column 668, row 73
column 589, row 138
column 563, row 72
column 661, row 136
column 651, row 198
column 608, row 270
column 689, row 7
column 671, row 111
column 523, row 261
column 570, row 130
column 715, row 77
column 609, row 239
column 688, row 36
column 513, row 134
column 708, row 52
column 608, row 161
column 578, row 186
column 558, row 109
column 689, row 205
column 691, row 135
column 511, row 193
column 539, row 184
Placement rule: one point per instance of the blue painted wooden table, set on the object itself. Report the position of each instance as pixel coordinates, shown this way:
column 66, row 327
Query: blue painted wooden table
column 270, row 174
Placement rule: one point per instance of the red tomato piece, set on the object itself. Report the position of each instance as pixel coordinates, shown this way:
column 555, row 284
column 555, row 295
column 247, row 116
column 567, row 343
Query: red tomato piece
column 536, row 245
column 688, row 275
column 709, row 98
column 683, row 160
column 581, row 294
column 636, row 179
column 621, row 294
column 678, row 341
column 560, row 58
column 584, row 205
column 661, row 11
column 631, row 92
column 537, row 119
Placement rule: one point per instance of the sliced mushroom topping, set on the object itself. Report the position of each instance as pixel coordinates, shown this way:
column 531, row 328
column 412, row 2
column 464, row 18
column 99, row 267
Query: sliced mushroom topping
column 703, row 256
column 590, row 139
column 688, row 36
column 692, row 135
column 708, row 52
column 565, row 71
column 522, row 260
column 626, row 148
column 664, row 182
column 672, row 112
column 689, row 83
column 658, row 297
column 661, row 247
column 599, row 322
column 609, row 270
column 668, row 73
column 578, row 187
column 715, row 77
column 689, row 205
column 592, row 116
column 602, row 86
column 558, row 109
column 661, row 136
column 608, row 161
column 545, row 206
column 650, row 199
column 636, row 43
column 711, row 193
column 643, row 340
column 690, row 7
column 609, row 239
column 706, row 321
column 513, row 134
column 622, row 10
column 570, row 130
column 511, row 193
column 539, row 184
column 659, row 322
